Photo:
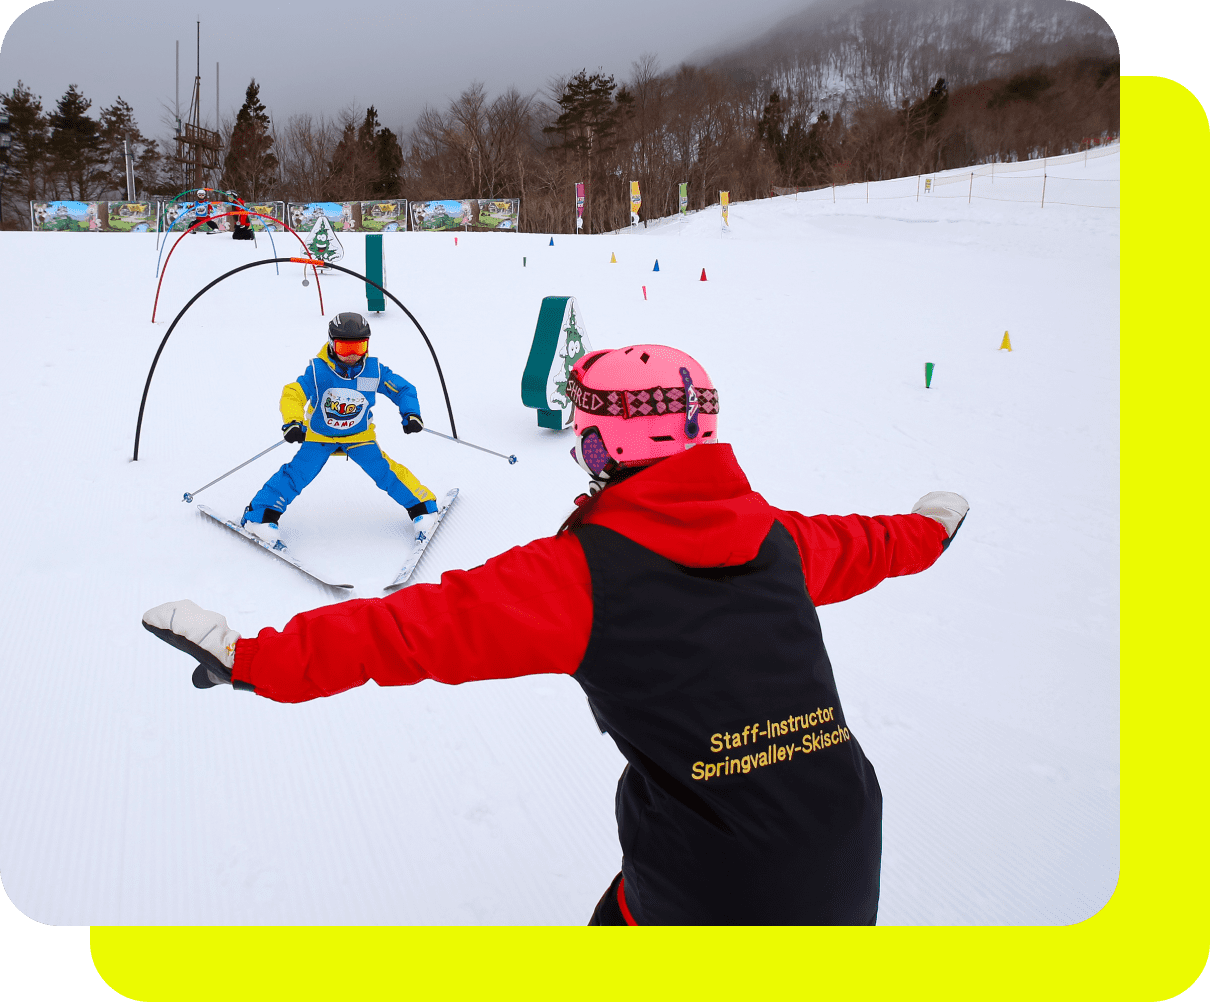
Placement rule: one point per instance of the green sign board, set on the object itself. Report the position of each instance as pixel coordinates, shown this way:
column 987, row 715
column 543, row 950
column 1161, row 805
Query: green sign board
column 559, row 342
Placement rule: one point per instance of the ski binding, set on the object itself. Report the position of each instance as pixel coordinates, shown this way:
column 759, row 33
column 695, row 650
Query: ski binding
column 420, row 544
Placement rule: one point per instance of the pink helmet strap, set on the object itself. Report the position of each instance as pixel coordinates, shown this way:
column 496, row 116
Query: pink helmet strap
column 655, row 400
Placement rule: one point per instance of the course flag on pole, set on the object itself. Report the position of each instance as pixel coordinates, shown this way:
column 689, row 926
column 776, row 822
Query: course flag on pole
column 928, row 375
column 684, row 197
column 725, row 198
column 636, row 200
column 579, row 205
column 1006, row 344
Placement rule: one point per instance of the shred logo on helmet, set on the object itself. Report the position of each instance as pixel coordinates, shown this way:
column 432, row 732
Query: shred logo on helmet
column 637, row 405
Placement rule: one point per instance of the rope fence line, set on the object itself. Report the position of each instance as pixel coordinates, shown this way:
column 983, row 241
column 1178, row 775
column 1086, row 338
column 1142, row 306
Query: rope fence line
column 989, row 182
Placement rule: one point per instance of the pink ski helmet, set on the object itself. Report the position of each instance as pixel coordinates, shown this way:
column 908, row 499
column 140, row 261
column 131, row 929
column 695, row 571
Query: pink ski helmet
column 637, row 405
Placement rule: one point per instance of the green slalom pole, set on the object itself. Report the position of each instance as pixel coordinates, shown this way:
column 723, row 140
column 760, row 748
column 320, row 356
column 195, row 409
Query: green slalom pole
column 928, row 375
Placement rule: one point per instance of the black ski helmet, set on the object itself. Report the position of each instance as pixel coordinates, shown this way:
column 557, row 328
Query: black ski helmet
column 346, row 327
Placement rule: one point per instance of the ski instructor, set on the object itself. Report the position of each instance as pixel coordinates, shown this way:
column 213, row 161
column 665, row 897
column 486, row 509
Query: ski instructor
column 684, row 605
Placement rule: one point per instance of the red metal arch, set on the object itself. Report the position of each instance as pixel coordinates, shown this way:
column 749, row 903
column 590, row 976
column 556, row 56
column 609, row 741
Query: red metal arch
column 235, row 212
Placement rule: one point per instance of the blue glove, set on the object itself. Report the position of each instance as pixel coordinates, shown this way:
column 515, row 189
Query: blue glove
column 412, row 424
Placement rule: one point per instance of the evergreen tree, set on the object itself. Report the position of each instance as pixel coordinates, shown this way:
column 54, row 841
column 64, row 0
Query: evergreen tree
column 382, row 144
column 78, row 161
column 769, row 128
column 587, row 125
column 117, row 126
column 353, row 168
column 367, row 159
column 28, row 153
column 250, row 166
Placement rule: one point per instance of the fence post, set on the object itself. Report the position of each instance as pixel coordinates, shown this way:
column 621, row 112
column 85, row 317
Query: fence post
column 867, row 191
column 971, row 191
column 1043, row 189
column 833, row 192
column 917, row 187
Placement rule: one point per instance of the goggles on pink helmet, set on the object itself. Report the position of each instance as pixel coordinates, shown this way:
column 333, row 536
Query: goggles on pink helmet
column 637, row 405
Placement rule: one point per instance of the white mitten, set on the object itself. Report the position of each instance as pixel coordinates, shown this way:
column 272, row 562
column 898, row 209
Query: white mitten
column 947, row 508
column 202, row 635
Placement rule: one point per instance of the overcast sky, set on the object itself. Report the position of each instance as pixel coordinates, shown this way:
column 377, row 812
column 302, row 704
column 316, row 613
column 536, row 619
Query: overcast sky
column 320, row 57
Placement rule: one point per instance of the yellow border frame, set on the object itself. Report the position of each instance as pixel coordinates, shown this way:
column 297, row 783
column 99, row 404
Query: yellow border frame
column 1149, row 942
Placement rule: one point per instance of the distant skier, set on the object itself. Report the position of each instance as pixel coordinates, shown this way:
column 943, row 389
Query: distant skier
column 202, row 210
column 327, row 411
column 684, row 605
column 242, row 228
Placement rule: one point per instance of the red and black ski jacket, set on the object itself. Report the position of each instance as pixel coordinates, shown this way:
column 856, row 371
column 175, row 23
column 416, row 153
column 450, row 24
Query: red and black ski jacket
column 685, row 608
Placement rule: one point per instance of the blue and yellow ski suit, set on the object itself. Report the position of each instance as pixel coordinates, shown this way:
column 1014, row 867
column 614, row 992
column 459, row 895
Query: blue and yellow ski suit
column 335, row 401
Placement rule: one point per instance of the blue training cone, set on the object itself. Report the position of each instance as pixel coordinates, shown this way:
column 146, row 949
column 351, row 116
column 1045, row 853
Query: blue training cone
column 657, row 265
column 552, row 242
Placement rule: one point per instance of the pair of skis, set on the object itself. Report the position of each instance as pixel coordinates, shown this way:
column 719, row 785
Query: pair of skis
column 279, row 549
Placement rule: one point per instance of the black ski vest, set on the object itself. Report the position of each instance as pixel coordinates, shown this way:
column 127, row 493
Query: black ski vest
column 746, row 800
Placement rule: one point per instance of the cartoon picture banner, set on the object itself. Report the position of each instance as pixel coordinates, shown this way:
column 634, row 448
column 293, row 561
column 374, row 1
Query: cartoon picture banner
column 684, row 197
column 275, row 209
column 66, row 216
column 131, row 217
column 579, row 205
column 303, row 216
column 636, row 202
column 495, row 213
column 385, row 216
column 465, row 214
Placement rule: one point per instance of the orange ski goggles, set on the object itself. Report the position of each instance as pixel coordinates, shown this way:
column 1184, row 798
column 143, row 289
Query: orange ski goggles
column 355, row 349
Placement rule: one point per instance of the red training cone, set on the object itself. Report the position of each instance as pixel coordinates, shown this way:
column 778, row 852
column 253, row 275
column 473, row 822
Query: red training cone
column 703, row 278
column 455, row 241
column 644, row 293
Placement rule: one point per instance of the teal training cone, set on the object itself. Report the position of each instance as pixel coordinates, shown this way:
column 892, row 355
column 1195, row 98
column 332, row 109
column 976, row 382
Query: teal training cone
column 928, row 375
column 657, row 265
column 552, row 242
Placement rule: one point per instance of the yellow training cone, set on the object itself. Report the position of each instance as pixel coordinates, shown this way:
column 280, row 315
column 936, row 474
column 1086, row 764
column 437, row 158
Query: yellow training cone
column 613, row 259
column 1006, row 344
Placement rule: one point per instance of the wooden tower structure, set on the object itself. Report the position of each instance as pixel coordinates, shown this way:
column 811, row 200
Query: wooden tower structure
column 197, row 149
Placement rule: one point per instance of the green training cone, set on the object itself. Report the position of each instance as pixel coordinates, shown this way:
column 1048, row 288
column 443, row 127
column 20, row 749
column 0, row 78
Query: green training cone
column 928, row 375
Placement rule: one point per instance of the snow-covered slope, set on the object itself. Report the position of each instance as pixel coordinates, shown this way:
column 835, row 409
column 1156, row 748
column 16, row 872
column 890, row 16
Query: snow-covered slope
column 983, row 690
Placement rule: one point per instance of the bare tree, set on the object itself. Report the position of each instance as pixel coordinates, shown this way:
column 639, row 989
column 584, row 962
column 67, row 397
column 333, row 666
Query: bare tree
column 305, row 146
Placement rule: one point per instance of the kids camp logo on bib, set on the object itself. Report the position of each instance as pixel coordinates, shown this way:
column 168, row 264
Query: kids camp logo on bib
column 342, row 408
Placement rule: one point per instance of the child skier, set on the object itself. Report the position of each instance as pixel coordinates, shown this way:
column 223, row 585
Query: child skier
column 202, row 209
column 327, row 412
column 684, row 605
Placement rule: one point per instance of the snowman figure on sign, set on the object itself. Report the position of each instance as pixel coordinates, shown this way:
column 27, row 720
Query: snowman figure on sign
column 322, row 242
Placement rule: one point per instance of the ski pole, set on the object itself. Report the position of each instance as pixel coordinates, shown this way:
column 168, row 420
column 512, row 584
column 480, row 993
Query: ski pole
column 189, row 494
column 462, row 441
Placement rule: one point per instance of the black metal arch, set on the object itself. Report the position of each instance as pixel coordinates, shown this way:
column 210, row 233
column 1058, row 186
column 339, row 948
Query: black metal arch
column 138, row 431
